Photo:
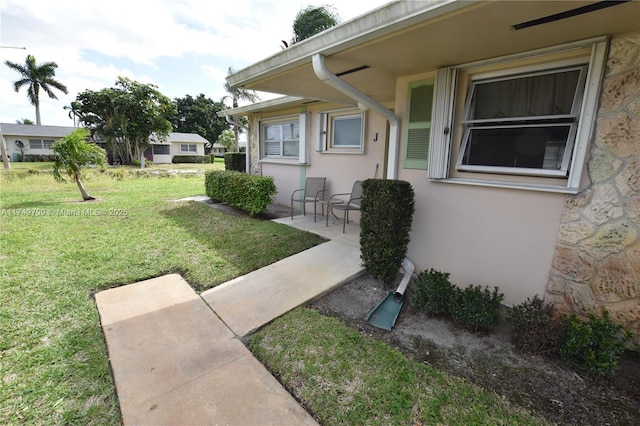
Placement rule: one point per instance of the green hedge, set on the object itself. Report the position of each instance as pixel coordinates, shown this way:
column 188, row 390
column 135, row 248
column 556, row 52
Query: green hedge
column 249, row 193
column 196, row 159
column 235, row 161
column 35, row 158
column 387, row 212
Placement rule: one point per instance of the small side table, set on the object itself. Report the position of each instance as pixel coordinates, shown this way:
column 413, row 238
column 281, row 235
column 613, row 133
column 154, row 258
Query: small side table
column 329, row 203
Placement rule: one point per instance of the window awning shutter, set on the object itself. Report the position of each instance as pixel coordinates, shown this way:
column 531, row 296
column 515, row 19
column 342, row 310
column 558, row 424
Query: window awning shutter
column 419, row 125
column 442, row 118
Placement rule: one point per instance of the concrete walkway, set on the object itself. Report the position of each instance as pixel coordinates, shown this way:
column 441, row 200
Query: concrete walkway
column 176, row 357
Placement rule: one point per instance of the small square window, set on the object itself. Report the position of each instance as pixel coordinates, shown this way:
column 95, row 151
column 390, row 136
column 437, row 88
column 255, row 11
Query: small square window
column 347, row 132
column 342, row 132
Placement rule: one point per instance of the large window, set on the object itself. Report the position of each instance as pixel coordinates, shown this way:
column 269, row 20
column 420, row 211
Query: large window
column 281, row 139
column 342, row 131
column 161, row 149
column 40, row 143
column 522, row 124
column 188, row 147
column 523, row 121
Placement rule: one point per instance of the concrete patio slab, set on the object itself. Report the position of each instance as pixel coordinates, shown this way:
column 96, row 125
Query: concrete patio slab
column 333, row 232
column 253, row 300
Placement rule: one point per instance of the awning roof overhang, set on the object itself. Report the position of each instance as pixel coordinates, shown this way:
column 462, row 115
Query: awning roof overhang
column 410, row 37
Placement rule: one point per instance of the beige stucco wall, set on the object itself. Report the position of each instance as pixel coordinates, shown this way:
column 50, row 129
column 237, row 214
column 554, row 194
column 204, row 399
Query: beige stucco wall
column 596, row 264
column 481, row 235
column 341, row 170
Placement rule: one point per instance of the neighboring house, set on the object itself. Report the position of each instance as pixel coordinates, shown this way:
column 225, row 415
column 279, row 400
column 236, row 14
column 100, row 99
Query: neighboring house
column 29, row 139
column 162, row 152
column 37, row 140
column 218, row 149
column 517, row 124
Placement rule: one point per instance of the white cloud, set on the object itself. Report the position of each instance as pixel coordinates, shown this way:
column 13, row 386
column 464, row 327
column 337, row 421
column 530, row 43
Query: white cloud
column 93, row 42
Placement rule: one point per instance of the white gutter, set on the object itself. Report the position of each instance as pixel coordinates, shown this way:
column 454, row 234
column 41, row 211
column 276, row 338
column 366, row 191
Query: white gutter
column 332, row 80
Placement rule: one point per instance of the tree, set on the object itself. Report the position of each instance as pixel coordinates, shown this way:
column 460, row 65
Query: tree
column 199, row 115
column 37, row 77
column 313, row 20
column 227, row 139
column 237, row 94
column 126, row 117
column 25, row 121
column 73, row 152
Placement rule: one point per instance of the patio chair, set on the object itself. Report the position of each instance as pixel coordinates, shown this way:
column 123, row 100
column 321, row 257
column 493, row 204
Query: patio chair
column 355, row 197
column 314, row 189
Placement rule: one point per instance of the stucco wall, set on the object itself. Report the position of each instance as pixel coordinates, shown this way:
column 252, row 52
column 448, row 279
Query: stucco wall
column 596, row 264
column 341, row 170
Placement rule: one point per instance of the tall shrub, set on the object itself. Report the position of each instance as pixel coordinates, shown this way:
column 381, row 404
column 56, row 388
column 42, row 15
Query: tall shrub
column 235, row 161
column 387, row 212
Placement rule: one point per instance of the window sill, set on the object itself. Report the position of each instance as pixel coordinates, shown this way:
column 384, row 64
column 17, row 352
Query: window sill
column 346, row 152
column 285, row 161
column 558, row 189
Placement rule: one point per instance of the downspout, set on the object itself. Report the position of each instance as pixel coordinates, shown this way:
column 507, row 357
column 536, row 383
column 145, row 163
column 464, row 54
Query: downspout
column 247, row 156
column 332, row 80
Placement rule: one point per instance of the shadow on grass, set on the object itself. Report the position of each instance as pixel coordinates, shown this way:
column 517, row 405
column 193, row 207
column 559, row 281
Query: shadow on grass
column 243, row 243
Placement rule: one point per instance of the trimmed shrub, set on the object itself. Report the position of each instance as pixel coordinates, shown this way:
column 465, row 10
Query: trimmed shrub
column 194, row 159
column 594, row 345
column 534, row 327
column 249, row 193
column 235, row 161
column 477, row 308
column 387, row 212
column 433, row 292
column 35, row 158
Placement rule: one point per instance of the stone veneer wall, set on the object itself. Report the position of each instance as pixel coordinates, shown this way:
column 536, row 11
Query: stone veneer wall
column 253, row 140
column 597, row 259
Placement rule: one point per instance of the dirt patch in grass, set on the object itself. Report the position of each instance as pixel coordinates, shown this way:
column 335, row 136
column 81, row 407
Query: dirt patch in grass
column 545, row 386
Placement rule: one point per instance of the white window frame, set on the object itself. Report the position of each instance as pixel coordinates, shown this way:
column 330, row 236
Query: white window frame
column 567, row 120
column 444, row 120
column 281, row 122
column 41, row 143
column 188, row 148
column 303, row 129
column 167, row 147
column 327, row 122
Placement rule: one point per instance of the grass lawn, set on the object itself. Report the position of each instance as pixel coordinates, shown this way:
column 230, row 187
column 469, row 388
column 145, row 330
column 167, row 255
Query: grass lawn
column 47, row 166
column 55, row 252
column 346, row 378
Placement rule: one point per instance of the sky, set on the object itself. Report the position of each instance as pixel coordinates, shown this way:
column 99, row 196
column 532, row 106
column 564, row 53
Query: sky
column 184, row 47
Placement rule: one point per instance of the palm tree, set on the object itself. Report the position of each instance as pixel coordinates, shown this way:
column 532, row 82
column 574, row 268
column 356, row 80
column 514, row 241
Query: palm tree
column 313, row 20
column 36, row 77
column 73, row 153
column 237, row 94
